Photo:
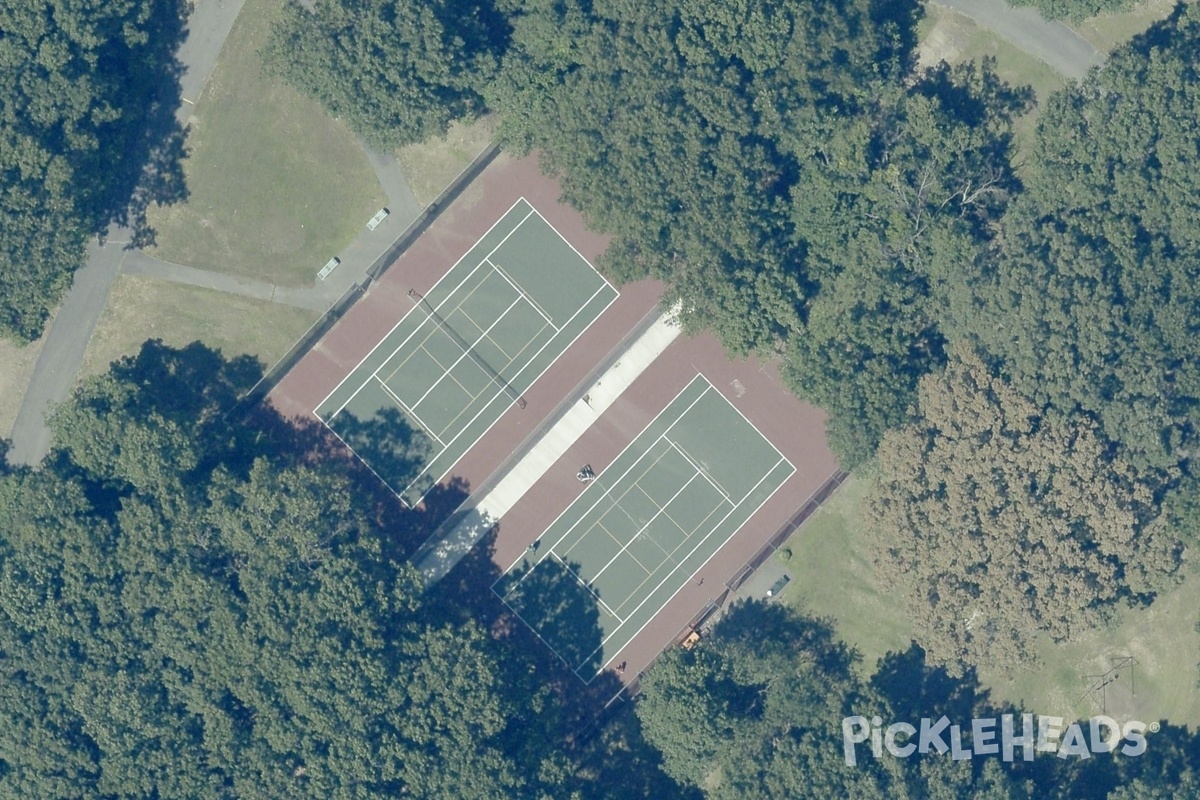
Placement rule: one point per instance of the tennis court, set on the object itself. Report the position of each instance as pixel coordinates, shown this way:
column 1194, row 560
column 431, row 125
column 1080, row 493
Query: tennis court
column 639, row 532
column 466, row 351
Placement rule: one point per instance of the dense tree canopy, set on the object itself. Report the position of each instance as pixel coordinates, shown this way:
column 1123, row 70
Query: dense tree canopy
column 88, row 93
column 245, row 650
column 1092, row 302
column 999, row 521
column 779, row 167
column 886, row 242
column 756, row 712
column 398, row 71
column 182, row 618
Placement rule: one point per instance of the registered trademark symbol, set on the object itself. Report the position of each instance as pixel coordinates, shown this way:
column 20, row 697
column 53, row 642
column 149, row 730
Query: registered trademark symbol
column 1154, row 726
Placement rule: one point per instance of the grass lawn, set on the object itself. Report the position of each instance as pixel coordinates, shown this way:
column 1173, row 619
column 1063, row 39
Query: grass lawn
column 829, row 559
column 949, row 36
column 954, row 37
column 1106, row 31
column 430, row 166
column 142, row 308
column 830, row 562
column 16, row 366
column 277, row 188
column 1162, row 685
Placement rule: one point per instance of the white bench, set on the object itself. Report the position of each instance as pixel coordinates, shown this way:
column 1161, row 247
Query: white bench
column 329, row 267
column 379, row 217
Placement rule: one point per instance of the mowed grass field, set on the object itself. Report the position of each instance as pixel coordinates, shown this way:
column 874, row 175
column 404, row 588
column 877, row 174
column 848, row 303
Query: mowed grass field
column 142, row 308
column 277, row 187
column 829, row 559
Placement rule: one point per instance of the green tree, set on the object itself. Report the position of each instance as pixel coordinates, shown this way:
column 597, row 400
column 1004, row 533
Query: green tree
column 1092, row 300
column 87, row 137
column 798, row 189
column 1076, row 10
column 664, row 122
column 183, row 617
column 890, row 214
column 998, row 520
column 398, row 71
column 755, row 711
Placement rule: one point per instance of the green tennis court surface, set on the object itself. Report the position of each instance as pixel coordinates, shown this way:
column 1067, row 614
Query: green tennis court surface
column 466, row 351
column 643, row 528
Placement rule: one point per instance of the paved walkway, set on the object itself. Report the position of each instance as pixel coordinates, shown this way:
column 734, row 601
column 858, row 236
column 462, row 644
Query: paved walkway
column 449, row 545
column 356, row 258
column 139, row 263
column 1056, row 44
column 54, row 374
column 58, row 364
column 368, row 246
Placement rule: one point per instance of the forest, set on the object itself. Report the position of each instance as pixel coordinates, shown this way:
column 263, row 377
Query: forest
column 88, row 138
column 199, row 606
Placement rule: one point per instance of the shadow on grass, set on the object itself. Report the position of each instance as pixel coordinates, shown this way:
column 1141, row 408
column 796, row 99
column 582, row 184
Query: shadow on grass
column 144, row 159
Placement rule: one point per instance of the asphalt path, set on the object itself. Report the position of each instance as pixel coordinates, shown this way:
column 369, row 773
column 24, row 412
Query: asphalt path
column 58, row 364
column 208, row 26
column 1056, row 44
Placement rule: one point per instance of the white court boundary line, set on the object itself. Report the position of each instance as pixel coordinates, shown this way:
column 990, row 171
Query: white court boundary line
column 465, row 354
column 436, row 310
column 616, row 458
column 609, row 487
column 536, row 378
column 700, row 541
column 579, row 580
column 568, row 241
column 521, row 293
column 703, row 474
column 536, row 632
column 631, row 539
column 436, row 283
column 690, row 553
column 396, row 399
column 604, row 282
column 532, row 210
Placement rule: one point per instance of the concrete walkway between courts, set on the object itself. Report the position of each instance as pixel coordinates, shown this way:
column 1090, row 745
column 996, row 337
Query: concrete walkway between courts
column 450, row 543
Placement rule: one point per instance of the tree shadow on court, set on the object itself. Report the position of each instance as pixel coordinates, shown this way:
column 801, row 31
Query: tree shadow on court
column 308, row 441
column 593, row 722
column 563, row 612
column 390, row 445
